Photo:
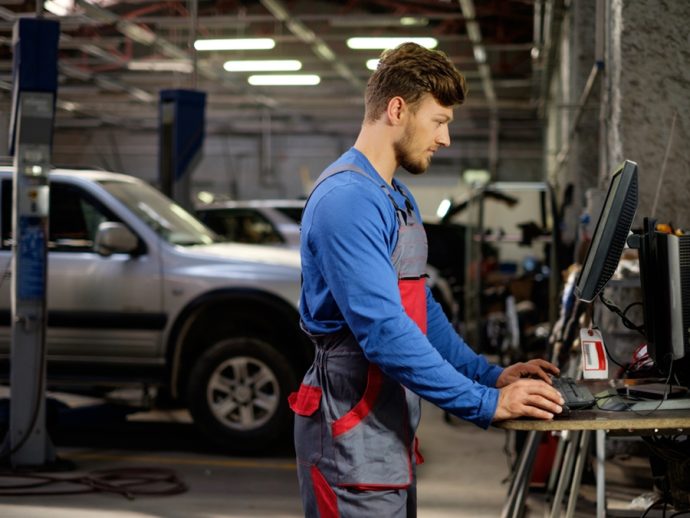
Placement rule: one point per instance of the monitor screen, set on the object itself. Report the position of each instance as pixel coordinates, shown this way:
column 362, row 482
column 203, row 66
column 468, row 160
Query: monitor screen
column 610, row 233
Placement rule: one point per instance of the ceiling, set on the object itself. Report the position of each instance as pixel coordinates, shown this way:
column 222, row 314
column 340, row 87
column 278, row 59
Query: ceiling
column 492, row 42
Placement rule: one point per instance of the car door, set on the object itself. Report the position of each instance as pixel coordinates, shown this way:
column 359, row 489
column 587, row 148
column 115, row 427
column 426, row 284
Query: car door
column 100, row 309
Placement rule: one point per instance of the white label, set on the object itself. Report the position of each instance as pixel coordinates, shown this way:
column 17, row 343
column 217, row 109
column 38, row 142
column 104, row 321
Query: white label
column 594, row 362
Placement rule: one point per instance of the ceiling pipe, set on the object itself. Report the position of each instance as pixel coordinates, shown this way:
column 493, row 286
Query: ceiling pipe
column 318, row 45
column 193, row 27
column 479, row 51
column 554, row 11
column 77, row 73
column 148, row 38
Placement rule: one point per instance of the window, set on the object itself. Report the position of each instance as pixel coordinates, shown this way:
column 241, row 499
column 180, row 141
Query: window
column 74, row 218
column 242, row 226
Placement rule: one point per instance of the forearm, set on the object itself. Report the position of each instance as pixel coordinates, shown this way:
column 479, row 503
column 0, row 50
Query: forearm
column 455, row 350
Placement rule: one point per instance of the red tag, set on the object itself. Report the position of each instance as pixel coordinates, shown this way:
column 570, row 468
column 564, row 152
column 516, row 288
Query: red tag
column 594, row 363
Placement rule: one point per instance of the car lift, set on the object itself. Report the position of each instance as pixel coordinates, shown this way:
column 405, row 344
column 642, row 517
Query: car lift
column 35, row 43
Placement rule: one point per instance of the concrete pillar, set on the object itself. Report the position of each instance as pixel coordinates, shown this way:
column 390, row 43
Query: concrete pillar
column 582, row 170
column 647, row 86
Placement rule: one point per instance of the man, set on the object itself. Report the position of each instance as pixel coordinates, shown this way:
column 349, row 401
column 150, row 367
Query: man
column 381, row 340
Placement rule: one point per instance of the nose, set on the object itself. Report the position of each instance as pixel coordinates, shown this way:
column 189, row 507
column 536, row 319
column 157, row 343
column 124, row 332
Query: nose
column 443, row 138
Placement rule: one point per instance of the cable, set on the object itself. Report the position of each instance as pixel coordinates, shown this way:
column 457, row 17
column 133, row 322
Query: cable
column 626, row 322
column 128, row 482
column 630, row 306
column 660, row 501
column 661, row 401
column 649, row 508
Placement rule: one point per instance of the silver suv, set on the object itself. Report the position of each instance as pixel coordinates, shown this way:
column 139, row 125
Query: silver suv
column 277, row 223
column 140, row 292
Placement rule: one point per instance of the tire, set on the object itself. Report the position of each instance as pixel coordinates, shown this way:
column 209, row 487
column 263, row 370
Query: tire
column 237, row 395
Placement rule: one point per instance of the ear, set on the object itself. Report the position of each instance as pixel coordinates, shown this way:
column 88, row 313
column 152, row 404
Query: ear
column 396, row 110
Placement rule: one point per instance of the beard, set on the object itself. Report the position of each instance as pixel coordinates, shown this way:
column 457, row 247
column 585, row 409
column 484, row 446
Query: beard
column 403, row 153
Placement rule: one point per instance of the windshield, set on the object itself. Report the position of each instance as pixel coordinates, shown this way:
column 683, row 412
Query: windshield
column 160, row 213
column 294, row 213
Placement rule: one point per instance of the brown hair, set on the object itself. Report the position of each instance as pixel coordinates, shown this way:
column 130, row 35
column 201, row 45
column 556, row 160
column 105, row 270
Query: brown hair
column 410, row 71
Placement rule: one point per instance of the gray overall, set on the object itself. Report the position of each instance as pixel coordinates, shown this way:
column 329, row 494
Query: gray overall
column 354, row 426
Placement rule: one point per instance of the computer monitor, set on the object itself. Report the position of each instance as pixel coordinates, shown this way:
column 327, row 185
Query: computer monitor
column 610, row 233
column 664, row 273
column 665, row 277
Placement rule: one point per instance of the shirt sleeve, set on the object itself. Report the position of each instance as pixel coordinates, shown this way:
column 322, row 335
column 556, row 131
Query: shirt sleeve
column 454, row 349
column 350, row 239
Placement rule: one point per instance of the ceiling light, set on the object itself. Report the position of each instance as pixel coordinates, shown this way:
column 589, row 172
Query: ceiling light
column 389, row 42
column 284, row 80
column 413, row 20
column 167, row 65
column 267, row 65
column 235, row 44
column 372, row 64
column 69, row 105
column 59, row 7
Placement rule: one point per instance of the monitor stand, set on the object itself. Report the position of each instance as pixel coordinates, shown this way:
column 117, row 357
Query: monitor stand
column 653, row 391
column 658, row 404
column 616, row 400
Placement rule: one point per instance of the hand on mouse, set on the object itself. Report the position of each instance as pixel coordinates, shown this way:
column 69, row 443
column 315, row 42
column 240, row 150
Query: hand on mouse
column 528, row 398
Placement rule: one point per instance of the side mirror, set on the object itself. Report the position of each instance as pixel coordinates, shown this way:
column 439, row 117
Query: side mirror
column 112, row 237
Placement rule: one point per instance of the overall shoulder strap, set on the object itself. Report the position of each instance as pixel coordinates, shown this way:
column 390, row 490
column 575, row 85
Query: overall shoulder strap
column 343, row 167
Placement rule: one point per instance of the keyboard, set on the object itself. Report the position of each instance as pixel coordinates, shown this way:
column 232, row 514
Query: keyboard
column 576, row 395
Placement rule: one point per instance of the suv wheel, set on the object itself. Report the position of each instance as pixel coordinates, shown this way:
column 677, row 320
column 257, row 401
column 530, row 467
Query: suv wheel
column 238, row 393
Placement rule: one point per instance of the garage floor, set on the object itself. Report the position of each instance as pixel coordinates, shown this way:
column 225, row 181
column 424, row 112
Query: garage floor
column 463, row 475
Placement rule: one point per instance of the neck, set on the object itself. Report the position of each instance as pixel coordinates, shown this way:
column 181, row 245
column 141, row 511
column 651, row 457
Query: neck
column 373, row 144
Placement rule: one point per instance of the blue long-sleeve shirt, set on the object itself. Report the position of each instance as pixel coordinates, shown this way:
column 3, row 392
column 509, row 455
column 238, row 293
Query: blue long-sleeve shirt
column 349, row 231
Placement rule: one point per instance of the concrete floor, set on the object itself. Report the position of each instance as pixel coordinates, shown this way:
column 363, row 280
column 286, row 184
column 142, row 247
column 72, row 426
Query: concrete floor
column 463, row 475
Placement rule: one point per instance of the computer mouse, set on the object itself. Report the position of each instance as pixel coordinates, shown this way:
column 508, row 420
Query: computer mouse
column 564, row 413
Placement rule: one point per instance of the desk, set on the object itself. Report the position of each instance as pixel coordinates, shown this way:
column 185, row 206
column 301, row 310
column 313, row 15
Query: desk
column 581, row 424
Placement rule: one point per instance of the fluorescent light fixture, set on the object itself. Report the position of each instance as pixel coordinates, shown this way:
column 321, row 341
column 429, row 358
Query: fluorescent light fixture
column 69, row 105
column 413, row 20
column 443, row 207
column 389, row 42
column 267, row 65
column 236, row 44
column 372, row 64
column 164, row 65
column 59, row 7
column 284, row 80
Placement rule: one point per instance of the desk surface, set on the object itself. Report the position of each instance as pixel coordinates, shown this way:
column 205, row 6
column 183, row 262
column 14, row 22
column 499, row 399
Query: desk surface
column 594, row 419
column 625, row 421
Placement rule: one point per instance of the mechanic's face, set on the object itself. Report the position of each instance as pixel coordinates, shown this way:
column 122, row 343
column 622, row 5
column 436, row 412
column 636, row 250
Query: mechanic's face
column 425, row 131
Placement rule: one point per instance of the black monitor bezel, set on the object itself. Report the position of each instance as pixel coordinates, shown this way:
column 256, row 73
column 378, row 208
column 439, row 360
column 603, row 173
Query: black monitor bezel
column 610, row 232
